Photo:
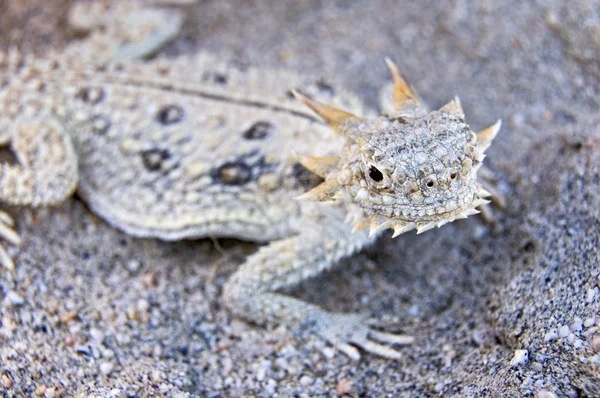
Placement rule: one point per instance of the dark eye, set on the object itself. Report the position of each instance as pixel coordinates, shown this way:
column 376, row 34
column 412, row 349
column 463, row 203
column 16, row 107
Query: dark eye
column 375, row 174
column 430, row 183
column 453, row 175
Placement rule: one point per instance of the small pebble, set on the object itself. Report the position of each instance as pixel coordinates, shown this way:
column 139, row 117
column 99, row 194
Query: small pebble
column 40, row 390
column 306, row 380
column 344, row 386
column 596, row 344
column 50, row 393
column 551, row 335
column 590, row 294
column 577, row 325
column 6, row 382
column 589, row 322
column 521, row 357
column 564, row 331
column 14, row 299
column 97, row 335
column 68, row 317
column 106, row 368
column 133, row 265
column 545, row 394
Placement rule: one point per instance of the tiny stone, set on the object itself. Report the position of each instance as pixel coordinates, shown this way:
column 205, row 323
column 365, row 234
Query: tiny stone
column 40, row 390
column 14, row 299
column 97, row 335
column 521, row 357
column 590, row 294
column 344, row 386
column 578, row 343
column 589, row 322
column 106, row 368
column 545, row 394
column 306, row 381
column 328, row 352
column 577, row 325
column 68, row 317
column 596, row 344
column 261, row 373
column 49, row 393
column 563, row 331
column 133, row 265
column 6, row 382
column 551, row 335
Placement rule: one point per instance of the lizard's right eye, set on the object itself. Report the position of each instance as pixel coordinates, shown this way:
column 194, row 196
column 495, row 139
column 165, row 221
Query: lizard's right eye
column 375, row 174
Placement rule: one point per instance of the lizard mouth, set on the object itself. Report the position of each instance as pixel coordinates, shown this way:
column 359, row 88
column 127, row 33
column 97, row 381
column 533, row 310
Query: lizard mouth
column 405, row 220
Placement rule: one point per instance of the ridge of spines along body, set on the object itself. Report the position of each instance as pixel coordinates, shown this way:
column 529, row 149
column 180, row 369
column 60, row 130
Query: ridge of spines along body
column 403, row 97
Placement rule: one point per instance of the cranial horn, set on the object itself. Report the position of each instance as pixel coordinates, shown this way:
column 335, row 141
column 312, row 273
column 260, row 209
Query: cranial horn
column 403, row 94
column 486, row 136
column 320, row 166
column 454, row 107
column 321, row 193
column 332, row 116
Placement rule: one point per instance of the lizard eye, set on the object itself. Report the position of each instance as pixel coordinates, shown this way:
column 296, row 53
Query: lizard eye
column 453, row 175
column 375, row 174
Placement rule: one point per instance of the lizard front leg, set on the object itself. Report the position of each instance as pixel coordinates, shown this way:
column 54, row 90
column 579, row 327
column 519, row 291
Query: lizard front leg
column 251, row 291
column 45, row 173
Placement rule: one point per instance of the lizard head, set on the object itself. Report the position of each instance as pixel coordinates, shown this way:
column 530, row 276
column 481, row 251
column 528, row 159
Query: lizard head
column 410, row 169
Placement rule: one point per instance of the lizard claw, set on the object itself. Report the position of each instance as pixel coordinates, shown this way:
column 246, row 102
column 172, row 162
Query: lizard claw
column 8, row 233
column 345, row 331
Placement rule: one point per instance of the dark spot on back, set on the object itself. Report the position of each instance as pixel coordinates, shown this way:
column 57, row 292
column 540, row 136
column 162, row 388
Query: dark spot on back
column 154, row 158
column 215, row 77
column 170, row 114
column 100, row 124
column 8, row 156
column 259, row 130
column 233, row 173
column 90, row 95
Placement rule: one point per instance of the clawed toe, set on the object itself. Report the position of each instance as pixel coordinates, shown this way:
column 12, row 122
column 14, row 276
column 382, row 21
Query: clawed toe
column 348, row 331
column 8, row 233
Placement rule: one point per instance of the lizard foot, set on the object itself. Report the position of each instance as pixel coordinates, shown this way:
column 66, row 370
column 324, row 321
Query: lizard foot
column 345, row 331
column 7, row 232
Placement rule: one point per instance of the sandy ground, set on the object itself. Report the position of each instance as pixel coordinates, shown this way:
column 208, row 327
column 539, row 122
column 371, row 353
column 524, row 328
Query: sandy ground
column 91, row 311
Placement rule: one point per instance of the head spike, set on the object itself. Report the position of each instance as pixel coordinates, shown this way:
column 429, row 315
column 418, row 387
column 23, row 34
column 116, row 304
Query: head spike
column 486, row 136
column 321, row 193
column 319, row 166
column 399, row 229
column 360, row 225
column 425, row 227
column 377, row 225
column 469, row 212
column 404, row 96
column 332, row 116
column 441, row 223
column 482, row 192
column 454, row 107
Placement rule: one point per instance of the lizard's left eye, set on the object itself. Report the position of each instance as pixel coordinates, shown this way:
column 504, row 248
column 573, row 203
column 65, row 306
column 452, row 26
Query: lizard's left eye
column 375, row 174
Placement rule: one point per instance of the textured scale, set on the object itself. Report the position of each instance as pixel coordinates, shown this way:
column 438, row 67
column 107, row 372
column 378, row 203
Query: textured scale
column 197, row 147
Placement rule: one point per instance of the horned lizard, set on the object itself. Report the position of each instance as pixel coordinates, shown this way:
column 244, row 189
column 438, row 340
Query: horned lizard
column 191, row 148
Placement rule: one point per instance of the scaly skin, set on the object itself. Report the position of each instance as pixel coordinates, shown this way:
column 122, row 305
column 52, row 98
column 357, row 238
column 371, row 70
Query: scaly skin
column 159, row 153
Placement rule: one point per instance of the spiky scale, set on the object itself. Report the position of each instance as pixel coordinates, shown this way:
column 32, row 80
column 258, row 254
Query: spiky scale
column 332, row 116
column 403, row 94
column 321, row 166
column 454, row 107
